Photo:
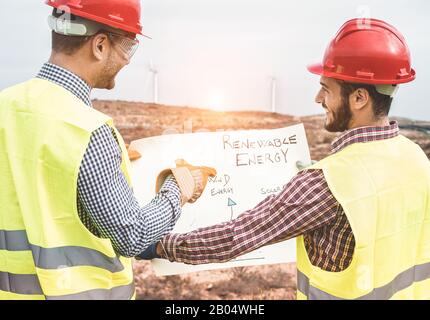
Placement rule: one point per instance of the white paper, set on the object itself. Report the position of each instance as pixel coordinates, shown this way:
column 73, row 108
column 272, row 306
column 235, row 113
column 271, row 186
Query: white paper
column 251, row 165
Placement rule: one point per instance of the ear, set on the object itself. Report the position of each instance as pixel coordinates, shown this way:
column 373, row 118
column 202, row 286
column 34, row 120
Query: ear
column 100, row 46
column 359, row 99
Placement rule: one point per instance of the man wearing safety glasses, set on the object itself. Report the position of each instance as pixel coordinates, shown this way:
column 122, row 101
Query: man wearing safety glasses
column 69, row 221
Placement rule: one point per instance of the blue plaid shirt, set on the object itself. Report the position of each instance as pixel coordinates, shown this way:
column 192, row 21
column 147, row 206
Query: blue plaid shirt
column 106, row 203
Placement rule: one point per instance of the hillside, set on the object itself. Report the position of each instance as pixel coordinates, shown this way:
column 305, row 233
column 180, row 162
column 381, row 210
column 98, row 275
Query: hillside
column 139, row 120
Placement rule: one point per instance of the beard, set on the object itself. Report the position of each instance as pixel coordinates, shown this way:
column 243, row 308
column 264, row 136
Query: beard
column 340, row 118
column 106, row 79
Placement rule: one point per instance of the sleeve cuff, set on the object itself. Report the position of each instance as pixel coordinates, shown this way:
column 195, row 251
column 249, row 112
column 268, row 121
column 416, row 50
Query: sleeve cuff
column 170, row 189
column 170, row 244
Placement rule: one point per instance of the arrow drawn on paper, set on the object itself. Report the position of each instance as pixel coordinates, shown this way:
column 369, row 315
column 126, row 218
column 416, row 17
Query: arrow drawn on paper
column 231, row 204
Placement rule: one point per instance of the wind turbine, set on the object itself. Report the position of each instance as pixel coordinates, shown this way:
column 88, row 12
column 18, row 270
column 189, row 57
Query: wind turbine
column 154, row 72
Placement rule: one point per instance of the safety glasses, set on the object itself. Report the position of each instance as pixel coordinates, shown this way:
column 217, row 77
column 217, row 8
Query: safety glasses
column 126, row 44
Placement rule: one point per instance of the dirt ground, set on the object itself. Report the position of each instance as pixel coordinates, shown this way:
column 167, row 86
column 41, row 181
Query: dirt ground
column 138, row 120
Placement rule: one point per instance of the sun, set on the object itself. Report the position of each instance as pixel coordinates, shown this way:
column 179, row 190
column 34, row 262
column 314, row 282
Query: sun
column 216, row 101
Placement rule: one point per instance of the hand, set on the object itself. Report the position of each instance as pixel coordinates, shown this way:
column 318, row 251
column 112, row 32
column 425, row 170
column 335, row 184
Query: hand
column 149, row 253
column 133, row 154
column 301, row 165
column 200, row 176
column 191, row 180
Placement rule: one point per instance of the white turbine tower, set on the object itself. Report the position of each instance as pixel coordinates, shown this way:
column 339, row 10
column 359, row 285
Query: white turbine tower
column 273, row 95
column 154, row 72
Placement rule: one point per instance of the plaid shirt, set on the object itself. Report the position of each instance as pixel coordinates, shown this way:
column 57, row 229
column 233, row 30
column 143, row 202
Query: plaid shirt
column 305, row 206
column 106, row 203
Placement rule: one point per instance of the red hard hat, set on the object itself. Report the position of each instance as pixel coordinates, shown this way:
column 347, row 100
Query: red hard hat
column 120, row 14
column 367, row 51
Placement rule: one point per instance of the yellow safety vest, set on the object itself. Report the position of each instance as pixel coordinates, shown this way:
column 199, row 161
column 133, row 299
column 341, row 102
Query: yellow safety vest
column 384, row 189
column 45, row 250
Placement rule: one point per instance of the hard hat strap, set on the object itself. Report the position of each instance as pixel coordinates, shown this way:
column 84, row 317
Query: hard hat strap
column 76, row 27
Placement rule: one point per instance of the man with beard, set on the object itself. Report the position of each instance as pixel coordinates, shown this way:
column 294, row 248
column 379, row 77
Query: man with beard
column 361, row 215
column 69, row 221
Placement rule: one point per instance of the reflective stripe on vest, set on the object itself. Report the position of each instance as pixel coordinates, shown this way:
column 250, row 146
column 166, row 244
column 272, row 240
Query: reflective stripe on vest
column 55, row 258
column 14, row 240
column 118, row 293
column 402, row 281
column 20, row 283
column 28, row 284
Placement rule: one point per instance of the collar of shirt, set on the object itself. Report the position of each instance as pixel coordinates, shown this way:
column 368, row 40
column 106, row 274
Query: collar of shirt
column 365, row 134
column 68, row 80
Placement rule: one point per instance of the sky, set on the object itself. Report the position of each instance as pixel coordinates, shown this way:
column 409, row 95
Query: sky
column 223, row 54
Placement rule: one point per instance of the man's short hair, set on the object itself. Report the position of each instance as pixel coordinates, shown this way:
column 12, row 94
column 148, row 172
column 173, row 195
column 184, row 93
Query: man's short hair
column 381, row 103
